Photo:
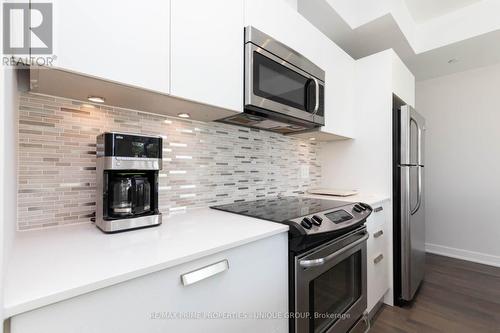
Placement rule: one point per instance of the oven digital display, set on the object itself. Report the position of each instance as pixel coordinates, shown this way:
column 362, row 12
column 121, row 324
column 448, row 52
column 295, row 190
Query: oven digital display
column 339, row 216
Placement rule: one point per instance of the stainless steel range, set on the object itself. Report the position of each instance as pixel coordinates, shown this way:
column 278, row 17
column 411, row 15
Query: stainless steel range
column 327, row 260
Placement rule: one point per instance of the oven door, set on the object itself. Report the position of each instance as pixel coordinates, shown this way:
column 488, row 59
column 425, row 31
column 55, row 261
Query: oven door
column 330, row 285
column 275, row 85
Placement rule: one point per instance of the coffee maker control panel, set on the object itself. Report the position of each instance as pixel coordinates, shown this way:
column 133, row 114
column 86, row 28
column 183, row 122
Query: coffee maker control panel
column 129, row 146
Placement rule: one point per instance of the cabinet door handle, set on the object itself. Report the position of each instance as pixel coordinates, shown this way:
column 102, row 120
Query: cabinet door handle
column 204, row 272
column 378, row 209
column 378, row 259
column 378, row 233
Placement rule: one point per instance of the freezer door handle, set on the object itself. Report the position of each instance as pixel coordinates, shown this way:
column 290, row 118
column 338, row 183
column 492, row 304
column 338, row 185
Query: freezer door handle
column 419, row 141
column 419, row 191
column 411, row 152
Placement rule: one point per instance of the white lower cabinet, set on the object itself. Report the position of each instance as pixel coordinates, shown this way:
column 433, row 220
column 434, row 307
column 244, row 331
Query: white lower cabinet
column 377, row 255
column 255, row 283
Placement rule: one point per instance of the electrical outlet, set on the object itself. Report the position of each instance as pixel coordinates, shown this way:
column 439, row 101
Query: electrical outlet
column 304, row 171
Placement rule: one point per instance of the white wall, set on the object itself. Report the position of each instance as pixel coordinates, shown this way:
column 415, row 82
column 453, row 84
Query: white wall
column 463, row 163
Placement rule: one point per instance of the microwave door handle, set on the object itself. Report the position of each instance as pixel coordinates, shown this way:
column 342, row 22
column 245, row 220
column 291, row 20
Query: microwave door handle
column 316, row 88
column 310, row 95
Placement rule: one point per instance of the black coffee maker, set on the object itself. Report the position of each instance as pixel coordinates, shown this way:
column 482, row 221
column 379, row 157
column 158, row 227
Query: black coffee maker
column 127, row 181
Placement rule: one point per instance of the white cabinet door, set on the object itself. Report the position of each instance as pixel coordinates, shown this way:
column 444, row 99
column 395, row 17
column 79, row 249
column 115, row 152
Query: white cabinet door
column 377, row 255
column 339, row 91
column 207, row 51
column 256, row 282
column 119, row 40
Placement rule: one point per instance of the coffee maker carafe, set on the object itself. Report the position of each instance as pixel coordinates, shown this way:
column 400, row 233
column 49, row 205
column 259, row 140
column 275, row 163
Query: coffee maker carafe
column 127, row 181
column 130, row 195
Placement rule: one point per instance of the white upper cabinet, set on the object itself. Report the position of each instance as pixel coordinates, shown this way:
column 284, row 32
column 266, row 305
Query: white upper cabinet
column 207, row 51
column 339, row 93
column 192, row 49
column 118, row 40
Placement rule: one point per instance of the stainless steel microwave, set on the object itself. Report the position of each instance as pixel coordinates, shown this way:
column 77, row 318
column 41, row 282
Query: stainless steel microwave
column 283, row 91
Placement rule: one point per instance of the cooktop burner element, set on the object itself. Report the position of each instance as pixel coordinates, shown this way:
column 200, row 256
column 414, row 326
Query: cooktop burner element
column 305, row 216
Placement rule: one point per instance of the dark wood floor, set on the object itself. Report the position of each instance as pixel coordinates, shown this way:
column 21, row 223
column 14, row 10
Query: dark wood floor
column 456, row 296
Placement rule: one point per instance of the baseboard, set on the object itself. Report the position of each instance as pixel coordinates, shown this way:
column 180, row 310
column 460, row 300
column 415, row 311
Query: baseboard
column 481, row 258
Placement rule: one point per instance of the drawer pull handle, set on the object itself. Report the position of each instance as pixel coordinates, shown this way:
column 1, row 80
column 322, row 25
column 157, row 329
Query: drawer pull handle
column 378, row 259
column 378, row 209
column 378, row 233
column 204, row 272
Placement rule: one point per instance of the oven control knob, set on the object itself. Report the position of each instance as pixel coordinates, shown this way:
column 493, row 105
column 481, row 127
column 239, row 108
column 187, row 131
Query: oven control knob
column 316, row 220
column 363, row 208
column 306, row 223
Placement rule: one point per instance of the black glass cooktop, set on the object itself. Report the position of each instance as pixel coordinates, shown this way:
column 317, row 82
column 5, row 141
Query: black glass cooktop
column 281, row 209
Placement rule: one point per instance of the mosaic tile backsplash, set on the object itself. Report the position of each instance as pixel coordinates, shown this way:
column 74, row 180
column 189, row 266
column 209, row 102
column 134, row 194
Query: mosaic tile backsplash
column 203, row 163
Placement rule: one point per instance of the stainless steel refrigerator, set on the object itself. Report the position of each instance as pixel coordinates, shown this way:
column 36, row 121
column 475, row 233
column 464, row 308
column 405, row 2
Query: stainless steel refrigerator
column 411, row 205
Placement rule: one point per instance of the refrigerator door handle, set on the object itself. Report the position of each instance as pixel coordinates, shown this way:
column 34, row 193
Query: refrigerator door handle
column 405, row 244
column 419, row 191
column 419, row 142
column 417, row 126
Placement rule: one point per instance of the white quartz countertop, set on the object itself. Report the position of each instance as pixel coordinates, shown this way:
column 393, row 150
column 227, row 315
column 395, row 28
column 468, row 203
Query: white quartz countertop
column 370, row 199
column 51, row 265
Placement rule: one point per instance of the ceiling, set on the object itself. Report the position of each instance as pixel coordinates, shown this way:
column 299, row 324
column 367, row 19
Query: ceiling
column 466, row 51
column 424, row 10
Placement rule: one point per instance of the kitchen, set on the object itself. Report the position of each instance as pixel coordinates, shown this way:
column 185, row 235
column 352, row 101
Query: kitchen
column 211, row 167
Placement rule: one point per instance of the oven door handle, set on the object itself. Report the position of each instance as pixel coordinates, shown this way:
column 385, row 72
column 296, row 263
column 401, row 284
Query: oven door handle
column 322, row 261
